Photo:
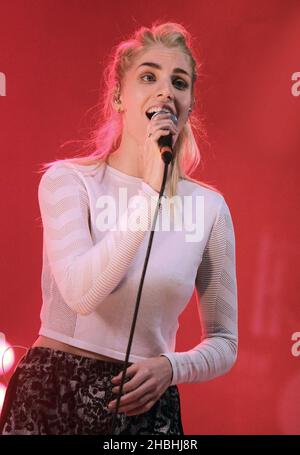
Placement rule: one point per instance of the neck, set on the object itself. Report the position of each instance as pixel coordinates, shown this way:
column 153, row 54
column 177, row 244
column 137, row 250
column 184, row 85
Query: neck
column 128, row 157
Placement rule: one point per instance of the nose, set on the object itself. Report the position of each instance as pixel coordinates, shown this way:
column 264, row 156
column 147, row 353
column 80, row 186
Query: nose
column 165, row 90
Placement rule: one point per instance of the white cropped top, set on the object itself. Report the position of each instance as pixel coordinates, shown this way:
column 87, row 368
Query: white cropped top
column 96, row 226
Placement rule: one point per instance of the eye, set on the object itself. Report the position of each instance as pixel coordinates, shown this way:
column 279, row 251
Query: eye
column 180, row 83
column 183, row 85
column 146, row 75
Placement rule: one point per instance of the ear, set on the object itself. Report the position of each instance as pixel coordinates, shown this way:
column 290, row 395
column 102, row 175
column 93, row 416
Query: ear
column 117, row 102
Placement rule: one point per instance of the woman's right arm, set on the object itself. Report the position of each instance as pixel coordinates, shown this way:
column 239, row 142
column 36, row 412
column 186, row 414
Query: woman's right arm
column 86, row 273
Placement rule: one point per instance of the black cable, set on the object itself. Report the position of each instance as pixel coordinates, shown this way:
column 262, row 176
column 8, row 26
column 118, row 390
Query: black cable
column 167, row 158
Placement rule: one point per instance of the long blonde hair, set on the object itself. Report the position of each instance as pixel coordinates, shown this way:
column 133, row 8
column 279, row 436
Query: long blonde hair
column 105, row 138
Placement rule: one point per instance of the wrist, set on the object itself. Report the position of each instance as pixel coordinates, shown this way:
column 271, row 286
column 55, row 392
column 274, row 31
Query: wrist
column 170, row 368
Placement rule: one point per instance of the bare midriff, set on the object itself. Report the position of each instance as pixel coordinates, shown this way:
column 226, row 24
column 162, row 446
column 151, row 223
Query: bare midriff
column 46, row 342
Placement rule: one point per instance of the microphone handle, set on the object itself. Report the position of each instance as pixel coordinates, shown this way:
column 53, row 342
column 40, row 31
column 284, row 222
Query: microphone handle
column 165, row 142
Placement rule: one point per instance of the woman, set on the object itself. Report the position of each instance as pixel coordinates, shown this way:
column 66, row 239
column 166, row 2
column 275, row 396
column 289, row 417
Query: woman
column 67, row 381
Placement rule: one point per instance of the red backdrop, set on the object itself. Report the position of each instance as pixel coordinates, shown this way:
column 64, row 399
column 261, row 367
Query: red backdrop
column 52, row 54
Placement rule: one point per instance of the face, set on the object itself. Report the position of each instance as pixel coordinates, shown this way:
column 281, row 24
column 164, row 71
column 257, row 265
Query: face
column 144, row 86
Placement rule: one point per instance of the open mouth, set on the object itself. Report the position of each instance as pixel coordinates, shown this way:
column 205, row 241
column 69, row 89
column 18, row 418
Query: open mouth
column 150, row 114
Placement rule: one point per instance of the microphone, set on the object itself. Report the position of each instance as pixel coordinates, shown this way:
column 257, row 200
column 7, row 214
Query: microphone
column 165, row 142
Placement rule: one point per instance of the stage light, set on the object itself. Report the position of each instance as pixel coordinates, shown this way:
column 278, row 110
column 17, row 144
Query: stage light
column 7, row 356
column 2, row 395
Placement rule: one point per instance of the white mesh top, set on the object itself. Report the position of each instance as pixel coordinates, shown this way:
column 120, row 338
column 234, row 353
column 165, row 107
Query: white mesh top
column 93, row 257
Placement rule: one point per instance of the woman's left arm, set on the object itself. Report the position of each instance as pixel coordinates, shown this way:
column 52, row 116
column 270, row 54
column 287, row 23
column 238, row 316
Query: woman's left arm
column 216, row 286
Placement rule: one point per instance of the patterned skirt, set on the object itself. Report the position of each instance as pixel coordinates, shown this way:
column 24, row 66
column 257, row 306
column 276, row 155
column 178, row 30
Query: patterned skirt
column 57, row 392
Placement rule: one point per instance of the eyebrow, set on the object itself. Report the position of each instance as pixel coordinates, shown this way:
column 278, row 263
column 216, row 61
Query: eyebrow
column 157, row 66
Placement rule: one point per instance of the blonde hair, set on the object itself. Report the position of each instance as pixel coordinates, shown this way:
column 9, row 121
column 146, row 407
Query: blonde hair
column 106, row 136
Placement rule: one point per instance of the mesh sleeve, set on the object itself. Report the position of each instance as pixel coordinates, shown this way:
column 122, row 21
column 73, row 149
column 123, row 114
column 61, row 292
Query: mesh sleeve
column 86, row 273
column 217, row 288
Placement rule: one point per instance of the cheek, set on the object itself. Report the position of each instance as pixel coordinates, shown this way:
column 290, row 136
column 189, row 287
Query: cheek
column 134, row 122
column 133, row 104
column 182, row 121
column 134, row 119
column 183, row 106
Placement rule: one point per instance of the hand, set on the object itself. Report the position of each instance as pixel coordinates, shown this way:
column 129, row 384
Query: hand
column 149, row 380
column 153, row 165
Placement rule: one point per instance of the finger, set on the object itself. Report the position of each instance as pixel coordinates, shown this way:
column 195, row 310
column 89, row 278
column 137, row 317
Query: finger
column 165, row 126
column 130, row 371
column 143, row 403
column 130, row 388
column 134, row 397
column 156, row 135
column 133, row 391
column 137, row 402
column 171, row 129
column 162, row 123
column 140, row 409
column 131, row 384
column 164, row 120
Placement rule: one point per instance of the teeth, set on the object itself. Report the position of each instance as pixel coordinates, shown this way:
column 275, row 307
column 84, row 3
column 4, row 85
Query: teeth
column 157, row 109
column 153, row 110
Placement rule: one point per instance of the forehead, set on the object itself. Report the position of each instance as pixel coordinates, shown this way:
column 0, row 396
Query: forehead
column 166, row 57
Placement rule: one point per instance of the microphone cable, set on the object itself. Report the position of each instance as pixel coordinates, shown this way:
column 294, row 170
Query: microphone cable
column 167, row 158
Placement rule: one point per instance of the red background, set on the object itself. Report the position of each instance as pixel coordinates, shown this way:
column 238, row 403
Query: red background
column 52, row 54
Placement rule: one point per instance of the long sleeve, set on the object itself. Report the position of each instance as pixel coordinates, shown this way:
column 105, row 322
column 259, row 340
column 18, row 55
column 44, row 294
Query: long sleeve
column 86, row 273
column 217, row 288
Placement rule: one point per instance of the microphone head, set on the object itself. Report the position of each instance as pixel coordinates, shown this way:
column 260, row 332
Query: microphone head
column 164, row 111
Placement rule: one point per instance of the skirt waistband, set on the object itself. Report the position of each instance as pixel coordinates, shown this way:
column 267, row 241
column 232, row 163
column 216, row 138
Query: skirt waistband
column 47, row 355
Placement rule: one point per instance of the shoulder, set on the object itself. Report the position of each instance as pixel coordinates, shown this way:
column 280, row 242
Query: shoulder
column 199, row 186
column 66, row 171
column 214, row 203
column 63, row 178
column 212, row 197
